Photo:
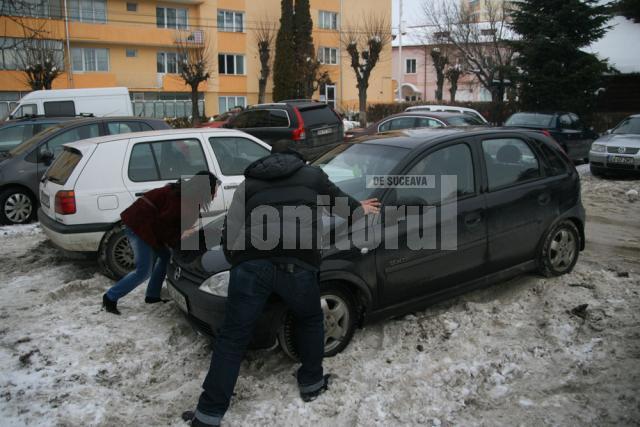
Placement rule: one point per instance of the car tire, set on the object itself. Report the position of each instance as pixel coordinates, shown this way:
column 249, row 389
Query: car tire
column 335, row 301
column 115, row 256
column 596, row 171
column 17, row 206
column 560, row 250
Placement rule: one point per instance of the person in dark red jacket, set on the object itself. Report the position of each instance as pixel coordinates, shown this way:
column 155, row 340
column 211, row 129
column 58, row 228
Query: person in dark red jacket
column 154, row 223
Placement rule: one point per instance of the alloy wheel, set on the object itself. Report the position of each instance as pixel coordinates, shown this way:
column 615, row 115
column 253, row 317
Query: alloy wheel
column 562, row 250
column 18, row 208
column 336, row 320
column 123, row 254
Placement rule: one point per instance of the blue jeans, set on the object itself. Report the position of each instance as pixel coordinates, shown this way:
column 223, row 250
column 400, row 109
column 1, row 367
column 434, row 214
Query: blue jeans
column 149, row 263
column 251, row 283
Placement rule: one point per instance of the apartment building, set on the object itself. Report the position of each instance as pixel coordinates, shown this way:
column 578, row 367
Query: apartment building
column 132, row 43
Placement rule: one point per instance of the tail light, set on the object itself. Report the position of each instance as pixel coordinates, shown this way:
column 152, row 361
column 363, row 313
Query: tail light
column 299, row 134
column 65, row 202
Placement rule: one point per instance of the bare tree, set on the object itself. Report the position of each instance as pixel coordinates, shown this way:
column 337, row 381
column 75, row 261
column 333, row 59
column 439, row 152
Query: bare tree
column 194, row 64
column 264, row 36
column 482, row 46
column 41, row 61
column 365, row 43
column 440, row 61
column 452, row 75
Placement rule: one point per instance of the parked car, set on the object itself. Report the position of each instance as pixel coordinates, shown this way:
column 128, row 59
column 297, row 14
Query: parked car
column 566, row 128
column 416, row 119
column 618, row 150
column 22, row 168
column 220, row 120
column 93, row 181
column 518, row 209
column 15, row 132
column 448, row 109
column 101, row 102
column 312, row 127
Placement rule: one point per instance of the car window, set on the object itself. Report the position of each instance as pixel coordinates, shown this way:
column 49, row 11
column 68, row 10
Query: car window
column 630, row 125
column 123, row 127
column 26, row 110
column 455, row 160
column 253, row 119
column 464, row 120
column 10, row 136
column 509, row 161
column 397, row 124
column 278, row 118
column 59, row 108
column 235, row 154
column 166, row 160
column 61, row 169
column 319, row 116
column 554, row 164
column 564, row 121
column 54, row 145
column 427, row 122
column 535, row 120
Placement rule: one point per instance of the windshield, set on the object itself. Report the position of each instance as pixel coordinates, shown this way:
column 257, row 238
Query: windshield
column 530, row 119
column 33, row 142
column 628, row 125
column 464, row 120
column 348, row 165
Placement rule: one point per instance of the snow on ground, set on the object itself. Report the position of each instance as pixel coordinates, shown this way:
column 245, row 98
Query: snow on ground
column 518, row 353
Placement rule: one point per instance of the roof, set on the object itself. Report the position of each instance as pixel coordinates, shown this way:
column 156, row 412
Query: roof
column 413, row 138
column 69, row 93
column 163, row 132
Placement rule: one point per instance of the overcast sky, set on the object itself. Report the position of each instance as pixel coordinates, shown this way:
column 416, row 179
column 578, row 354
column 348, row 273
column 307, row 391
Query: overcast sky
column 412, row 12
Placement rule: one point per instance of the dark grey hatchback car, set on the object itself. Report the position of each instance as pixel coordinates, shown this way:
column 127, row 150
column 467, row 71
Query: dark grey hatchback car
column 514, row 207
column 22, row 168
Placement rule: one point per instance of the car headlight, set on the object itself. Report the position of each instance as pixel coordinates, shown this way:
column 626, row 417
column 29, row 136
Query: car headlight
column 598, row 148
column 218, row 284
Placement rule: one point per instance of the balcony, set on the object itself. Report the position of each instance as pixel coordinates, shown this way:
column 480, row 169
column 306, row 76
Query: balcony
column 132, row 35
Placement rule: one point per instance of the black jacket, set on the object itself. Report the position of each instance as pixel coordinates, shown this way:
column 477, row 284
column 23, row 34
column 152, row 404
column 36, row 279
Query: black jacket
column 275, row 212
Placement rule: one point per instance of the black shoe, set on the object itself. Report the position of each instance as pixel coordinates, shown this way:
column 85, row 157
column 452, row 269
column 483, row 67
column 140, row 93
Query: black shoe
column 110, row 306
column 190, row 417
column 313, row 395
column 154, row 300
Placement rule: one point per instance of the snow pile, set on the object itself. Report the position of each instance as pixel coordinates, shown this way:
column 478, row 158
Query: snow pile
column 531, row 351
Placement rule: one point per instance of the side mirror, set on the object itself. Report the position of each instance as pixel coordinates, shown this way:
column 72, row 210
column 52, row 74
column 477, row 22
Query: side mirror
column 46, row 157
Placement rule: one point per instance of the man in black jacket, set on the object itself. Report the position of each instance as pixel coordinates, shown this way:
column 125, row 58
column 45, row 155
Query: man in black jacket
column 272, row 239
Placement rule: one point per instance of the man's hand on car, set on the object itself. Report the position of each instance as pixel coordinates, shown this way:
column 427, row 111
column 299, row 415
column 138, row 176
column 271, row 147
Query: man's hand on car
column 370, row 206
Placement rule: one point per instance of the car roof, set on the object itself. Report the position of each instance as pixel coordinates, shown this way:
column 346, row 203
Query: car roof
column 434, row 114
column 451, row 107
column 163, row 132
column 302, row 104
column 38, row 119
column 415, row 138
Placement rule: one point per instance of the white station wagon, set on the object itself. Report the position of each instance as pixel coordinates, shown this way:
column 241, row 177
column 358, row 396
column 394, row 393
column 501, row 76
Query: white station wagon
column 94, row 180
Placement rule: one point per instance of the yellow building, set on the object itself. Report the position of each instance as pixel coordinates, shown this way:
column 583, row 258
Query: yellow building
column 132, row 43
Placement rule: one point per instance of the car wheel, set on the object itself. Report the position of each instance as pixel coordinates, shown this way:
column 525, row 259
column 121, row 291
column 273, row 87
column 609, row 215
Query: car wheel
column 340, row 316
column 596, row 171
column 560, row 250
column 115, row 256
column 17, row 206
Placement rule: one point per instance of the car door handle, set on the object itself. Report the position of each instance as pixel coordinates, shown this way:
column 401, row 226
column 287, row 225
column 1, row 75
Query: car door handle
column 544, row 199
column 472, row 220
column 231, row 186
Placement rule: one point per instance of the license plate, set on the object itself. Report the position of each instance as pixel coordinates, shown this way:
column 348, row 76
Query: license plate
column 44, row 199
column 620, row 159
column 326, row 131
column 178, row 298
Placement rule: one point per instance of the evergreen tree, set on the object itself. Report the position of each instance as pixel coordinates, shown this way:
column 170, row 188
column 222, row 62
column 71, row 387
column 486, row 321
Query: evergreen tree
column 305, row 57
column 284, row 71
column 555, row 73
column 629, row 9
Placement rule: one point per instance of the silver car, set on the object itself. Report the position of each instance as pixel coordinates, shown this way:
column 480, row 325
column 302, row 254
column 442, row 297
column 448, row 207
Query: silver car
column 618, row 149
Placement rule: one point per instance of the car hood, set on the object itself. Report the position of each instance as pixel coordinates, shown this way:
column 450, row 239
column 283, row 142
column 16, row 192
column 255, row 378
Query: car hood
column 620, row 140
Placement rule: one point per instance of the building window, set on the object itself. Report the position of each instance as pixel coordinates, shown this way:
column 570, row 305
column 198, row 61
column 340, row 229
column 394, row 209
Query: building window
column 167, row 17
column 92, row 11
column 225, row 103
column 231, row 64
column 167, row 62
column 132, row 7
column 328, row 20
column 411, row 64
column 230, row 21
column 13, row 51
column 89, row 59
column 32, row 8
column 488, row 31
column 131, row 53
column 328, row 55
column 441, row 35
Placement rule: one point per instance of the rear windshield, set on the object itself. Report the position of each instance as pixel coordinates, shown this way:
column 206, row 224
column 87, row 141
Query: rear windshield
column 63, row 166
column 319, row 116
column 464, row 120
column 530, row 120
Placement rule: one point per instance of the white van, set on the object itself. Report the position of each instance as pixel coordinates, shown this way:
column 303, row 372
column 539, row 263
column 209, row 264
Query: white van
column 94, row 180
column 100, row 102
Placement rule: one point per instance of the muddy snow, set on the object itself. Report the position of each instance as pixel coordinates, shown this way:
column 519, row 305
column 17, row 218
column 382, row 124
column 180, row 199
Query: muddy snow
column 531, row 351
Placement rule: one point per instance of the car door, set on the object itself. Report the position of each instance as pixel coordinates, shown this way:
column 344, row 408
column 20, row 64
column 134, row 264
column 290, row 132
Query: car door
column 54, row 145
column 584, row 137
column 519, row 199
column 233, row 154
column 438, row 236
column 153, row 162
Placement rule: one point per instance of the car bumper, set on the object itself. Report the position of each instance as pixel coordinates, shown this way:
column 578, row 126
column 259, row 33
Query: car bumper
column 206, row 312
column 74, row 238
column 603, row 161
